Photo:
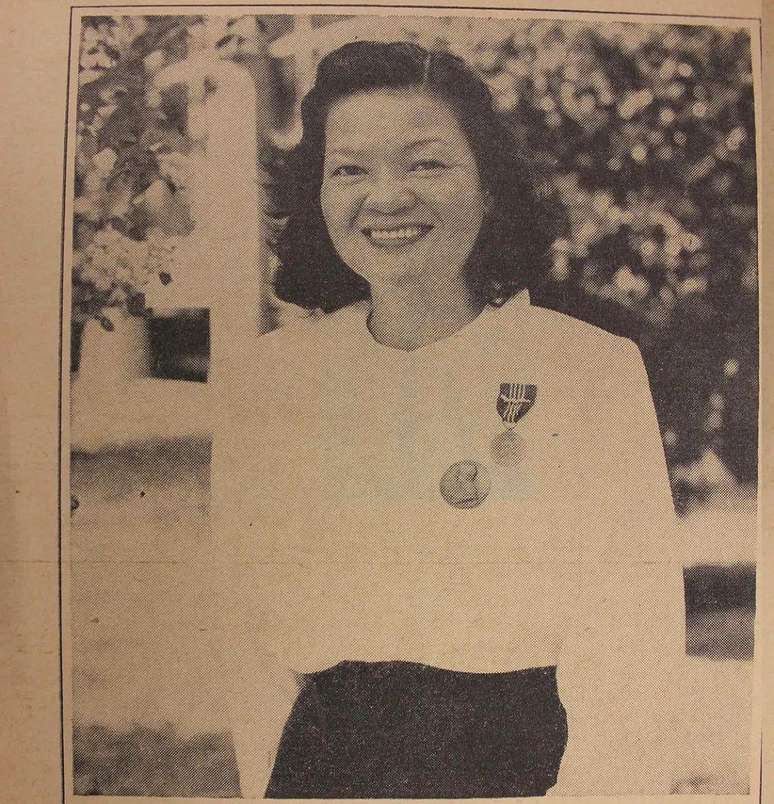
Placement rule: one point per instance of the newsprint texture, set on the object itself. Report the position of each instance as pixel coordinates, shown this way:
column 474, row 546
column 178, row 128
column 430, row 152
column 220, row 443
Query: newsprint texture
column 384, row 402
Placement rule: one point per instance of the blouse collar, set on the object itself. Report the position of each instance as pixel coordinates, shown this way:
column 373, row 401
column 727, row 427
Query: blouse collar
column 511, row 311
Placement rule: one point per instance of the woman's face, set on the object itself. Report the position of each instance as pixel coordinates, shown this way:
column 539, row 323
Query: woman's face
column 401, row 193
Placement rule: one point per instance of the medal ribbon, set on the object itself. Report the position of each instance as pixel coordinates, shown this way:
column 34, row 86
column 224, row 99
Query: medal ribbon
column 515, row 401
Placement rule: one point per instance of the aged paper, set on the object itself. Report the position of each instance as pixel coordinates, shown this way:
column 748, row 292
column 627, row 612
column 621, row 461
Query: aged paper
column 121, row 592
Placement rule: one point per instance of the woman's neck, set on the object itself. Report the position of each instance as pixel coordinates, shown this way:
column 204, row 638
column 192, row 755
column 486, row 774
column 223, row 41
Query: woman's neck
column 411, row 318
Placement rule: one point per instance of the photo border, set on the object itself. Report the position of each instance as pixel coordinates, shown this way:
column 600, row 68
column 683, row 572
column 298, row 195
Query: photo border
column 75, row 14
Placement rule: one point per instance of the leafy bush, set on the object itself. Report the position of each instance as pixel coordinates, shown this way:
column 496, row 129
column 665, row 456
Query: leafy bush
column 647, row 137
column 131, row 166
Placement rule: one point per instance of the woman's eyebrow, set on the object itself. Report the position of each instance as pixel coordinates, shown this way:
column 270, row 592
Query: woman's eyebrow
column 345, row 150
column 426, row 141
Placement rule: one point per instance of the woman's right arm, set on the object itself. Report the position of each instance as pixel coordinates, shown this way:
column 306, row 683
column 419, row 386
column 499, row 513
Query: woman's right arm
column 259, row 694
column 258, row 689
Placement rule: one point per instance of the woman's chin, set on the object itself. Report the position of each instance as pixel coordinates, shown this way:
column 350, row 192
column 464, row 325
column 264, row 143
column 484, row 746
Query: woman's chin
column 411, row 275
column 396, row 277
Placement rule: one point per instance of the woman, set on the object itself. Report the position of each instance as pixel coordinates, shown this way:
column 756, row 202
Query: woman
column 449, row 535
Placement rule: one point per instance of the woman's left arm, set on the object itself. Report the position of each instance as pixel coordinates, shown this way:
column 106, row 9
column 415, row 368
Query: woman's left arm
column 619, row 675
column 621, row 663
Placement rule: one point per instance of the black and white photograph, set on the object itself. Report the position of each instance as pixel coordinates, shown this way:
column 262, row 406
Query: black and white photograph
column 412, row 403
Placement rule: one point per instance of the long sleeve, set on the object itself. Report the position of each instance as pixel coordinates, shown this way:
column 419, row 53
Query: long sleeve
column 618, row 676
column 259, row 692
column 620, row 666
column 626, row 472
column 258, row 687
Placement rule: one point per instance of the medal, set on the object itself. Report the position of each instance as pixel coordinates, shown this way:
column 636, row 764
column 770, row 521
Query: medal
column 514, row 401
column 465, row 484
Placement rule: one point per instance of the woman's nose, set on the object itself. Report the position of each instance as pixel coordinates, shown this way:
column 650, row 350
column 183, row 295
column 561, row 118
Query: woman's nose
column 389, row 195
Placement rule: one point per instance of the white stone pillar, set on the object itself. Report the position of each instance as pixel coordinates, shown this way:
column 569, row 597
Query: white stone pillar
column 222, row 262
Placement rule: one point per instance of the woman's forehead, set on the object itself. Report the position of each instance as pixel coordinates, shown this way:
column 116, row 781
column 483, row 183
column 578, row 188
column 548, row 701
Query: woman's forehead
column 396, row 117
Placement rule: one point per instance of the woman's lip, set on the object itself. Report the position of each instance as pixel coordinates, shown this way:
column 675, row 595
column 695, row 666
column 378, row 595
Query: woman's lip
column 396, row 235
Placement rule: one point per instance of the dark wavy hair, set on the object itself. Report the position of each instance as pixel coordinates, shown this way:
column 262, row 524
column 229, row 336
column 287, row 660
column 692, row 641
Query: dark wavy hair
column 512, row 248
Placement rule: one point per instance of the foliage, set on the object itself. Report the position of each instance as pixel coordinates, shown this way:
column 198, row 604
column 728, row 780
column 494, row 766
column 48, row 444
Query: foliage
column 646, row 138
column 145, row 761
column 131, row 166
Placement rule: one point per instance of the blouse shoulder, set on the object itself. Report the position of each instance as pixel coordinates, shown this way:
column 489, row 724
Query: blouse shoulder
column 564, row 330
column 608, row 408
column 582, row 350
column 304, row 343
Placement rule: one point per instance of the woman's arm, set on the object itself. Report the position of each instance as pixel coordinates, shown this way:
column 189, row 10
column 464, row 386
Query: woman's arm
column 628, row 482
column 619, row 676
column 258, row 688
column 621, row 664
column 259, row 694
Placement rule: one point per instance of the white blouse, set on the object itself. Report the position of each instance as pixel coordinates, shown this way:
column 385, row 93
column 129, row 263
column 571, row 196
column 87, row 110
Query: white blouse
column 338, row 544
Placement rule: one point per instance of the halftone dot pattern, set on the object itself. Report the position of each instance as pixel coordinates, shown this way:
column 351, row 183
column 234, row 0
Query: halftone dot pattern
column 643, row 137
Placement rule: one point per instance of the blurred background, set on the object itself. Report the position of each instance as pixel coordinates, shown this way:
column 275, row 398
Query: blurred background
column 645, row 135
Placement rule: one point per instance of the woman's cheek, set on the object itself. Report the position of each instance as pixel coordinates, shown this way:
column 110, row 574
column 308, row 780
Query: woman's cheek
column 462, row 204
column 339, row 208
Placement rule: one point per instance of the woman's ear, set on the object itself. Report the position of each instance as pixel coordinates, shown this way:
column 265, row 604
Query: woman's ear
column 488, row 201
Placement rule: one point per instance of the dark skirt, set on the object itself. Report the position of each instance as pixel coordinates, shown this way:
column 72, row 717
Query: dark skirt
column 405, row 730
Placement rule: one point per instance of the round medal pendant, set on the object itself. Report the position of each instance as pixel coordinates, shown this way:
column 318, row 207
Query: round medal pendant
column 465, row 484
column 507, row 448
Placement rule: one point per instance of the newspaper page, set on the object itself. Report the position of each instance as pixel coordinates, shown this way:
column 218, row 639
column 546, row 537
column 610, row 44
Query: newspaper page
column 408, row 403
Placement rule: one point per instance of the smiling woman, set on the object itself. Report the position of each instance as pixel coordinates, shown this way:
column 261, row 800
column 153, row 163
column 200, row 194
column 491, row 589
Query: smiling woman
column 403, row 204
column 402, row 120
column 398, row 184
column 451, row 504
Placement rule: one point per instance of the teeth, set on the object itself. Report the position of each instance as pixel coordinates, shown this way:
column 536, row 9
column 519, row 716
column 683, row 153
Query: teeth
column 394, row 234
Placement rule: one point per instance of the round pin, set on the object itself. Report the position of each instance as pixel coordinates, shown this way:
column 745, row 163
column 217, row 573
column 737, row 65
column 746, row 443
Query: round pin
column 507, row 448
column 465, row 484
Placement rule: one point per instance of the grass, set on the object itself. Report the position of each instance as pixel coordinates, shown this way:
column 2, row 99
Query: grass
column 144, row 761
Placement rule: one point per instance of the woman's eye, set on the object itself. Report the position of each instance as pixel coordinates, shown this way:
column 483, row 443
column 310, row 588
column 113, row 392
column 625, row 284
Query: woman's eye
column 427, row 164
column 348, row 170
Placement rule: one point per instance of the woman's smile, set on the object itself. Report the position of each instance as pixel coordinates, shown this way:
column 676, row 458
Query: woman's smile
column 396, row 236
